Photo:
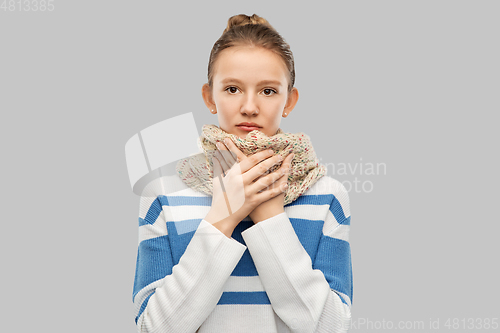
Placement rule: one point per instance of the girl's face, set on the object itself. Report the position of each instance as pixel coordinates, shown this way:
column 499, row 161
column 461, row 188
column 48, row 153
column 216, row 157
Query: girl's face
column 250, row 84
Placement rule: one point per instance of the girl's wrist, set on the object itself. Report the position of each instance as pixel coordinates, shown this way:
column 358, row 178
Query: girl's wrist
column 225, row 224
column 264, row 214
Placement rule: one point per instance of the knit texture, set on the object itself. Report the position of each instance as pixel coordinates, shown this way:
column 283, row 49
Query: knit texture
column 289, row 273
column 197, row 171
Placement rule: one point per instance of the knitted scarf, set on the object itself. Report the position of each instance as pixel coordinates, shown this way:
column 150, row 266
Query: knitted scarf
column 197, row 171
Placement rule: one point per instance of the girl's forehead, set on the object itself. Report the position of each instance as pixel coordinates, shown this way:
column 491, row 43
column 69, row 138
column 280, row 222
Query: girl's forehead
column 249, row 63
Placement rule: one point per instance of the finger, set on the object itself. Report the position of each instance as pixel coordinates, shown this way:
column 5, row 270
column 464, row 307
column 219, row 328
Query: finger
column 251, row 161
column 260, row 176
column 280, row 180
column 272, row 181
column 223, row 164
column 237, row 154
column 262, row 168
column 226, row 154
column 217, row 167
column 274, row 189
column 280, row 176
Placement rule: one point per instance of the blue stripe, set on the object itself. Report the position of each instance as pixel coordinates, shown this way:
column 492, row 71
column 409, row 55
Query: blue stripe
column 334, row 260
column 154, row 262
column 338, row 212
column 240, row 297
column 185, row 201
column 246, row 266
column 324, row 199
column 143, row 307
column 309, row 233
column 142, row 222
column 152, row 214
column 321, row 199
column 314, row 199
column 180, row 236
column 182, row 227
column 162, row 200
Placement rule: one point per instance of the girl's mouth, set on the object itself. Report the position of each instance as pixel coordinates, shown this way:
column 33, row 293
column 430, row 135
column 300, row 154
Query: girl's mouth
column 248, row 128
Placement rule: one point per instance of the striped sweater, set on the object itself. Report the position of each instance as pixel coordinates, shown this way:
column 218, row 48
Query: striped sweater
column 289, row 273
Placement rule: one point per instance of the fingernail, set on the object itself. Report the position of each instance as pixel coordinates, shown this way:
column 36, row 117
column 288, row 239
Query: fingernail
column 218, row 144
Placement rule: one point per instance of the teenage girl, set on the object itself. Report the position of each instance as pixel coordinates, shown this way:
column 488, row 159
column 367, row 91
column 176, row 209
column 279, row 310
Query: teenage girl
column 260, row 265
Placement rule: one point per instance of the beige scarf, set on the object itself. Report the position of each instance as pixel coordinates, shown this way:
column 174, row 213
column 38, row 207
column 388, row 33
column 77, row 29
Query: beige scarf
column 197, row 171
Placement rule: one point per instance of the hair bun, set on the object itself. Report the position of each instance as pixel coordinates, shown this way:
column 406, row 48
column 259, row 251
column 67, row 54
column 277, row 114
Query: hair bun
column 242, row 19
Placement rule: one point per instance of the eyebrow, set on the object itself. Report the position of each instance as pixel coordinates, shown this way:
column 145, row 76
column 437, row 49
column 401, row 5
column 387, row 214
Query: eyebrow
column 227, row 80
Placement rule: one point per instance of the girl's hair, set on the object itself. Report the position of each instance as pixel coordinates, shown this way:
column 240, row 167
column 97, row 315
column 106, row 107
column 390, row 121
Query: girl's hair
column 252, row 30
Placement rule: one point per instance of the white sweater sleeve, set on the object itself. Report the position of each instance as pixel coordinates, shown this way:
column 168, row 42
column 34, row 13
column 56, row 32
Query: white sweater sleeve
column 301, row 295
column 181, row 300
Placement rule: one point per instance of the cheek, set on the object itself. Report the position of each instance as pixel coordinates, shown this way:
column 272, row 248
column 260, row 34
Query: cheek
column 228, row 105
column 226, row 113
column 279, row 104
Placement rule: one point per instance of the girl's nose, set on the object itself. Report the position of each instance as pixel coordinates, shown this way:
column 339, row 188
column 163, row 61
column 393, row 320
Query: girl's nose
column 249, row 106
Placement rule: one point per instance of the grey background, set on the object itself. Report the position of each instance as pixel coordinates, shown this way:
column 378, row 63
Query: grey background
column 410, row 84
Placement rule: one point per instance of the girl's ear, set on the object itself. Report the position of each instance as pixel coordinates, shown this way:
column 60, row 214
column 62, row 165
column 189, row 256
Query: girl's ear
column 206, row 93
column 293, row 97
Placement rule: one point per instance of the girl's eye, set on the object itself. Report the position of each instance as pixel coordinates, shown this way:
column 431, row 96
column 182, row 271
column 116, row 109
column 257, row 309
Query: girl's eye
column 232, row 90
column 267, row 91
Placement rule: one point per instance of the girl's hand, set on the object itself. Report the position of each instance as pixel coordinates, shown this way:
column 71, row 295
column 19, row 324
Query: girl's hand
column 269, row 200
column 274, row 206
column 236, row 192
